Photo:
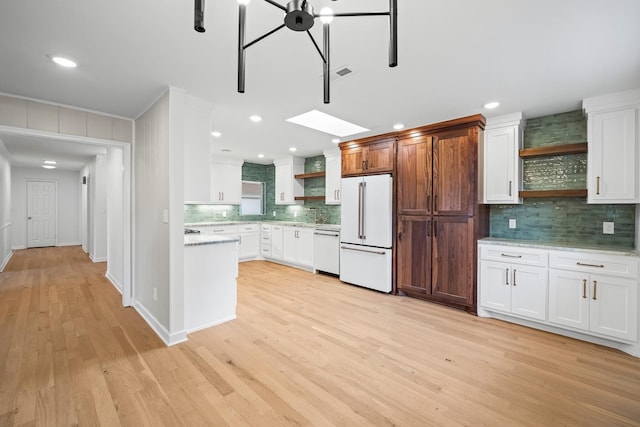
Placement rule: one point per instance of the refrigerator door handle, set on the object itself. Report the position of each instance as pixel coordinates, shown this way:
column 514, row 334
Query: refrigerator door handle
column 360, row 207
column 363, row 202
column 362, row 250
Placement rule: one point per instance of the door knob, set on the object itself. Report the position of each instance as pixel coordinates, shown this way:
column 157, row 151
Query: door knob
column 28, row 217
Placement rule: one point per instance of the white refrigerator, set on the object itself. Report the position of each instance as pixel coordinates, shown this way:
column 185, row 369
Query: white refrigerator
column 365, row 232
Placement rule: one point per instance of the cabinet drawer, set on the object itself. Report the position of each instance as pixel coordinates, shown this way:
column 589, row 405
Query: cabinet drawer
column 248, row 228
column 222, row 229
column 594, row 263
column 514, row 255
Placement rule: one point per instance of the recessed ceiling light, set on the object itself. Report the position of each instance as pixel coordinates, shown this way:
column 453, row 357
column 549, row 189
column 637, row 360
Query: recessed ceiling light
column 49, row 162
column 491, row 105
column 293, row 149
column 255, row 118
column 335, row 140
column 398, row 126
column 323, row 122
column 261, row 155
column 64, row 62
column 216, row 134
column 48, row 166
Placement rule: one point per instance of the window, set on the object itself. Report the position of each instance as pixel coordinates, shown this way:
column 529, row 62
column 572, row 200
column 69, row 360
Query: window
column 252, row 198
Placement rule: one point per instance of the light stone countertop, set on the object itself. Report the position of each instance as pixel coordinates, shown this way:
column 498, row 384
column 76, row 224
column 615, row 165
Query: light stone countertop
column 287, row 223
column 207, row 239
column 573, row 247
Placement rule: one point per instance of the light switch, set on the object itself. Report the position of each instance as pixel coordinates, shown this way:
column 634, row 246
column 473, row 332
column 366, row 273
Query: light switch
column 512, row 223
column 607, row 227
column 224, row 214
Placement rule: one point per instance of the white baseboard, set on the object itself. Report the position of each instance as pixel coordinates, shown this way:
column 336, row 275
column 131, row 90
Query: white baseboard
column 84, row 248
column 17, row 248
column 161, row 332
column 116, row 284
column 69, row 244
column 631, row 348
column 97, row 259
column 217, row 322
column 6, row 261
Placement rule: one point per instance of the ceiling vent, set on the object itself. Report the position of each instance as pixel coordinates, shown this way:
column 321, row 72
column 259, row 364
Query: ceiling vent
column 343, row 72
column 340, row 73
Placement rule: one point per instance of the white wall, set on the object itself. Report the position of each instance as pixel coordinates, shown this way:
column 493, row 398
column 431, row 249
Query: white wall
column 68, row 204
column 150, row 199
column 98, row 203
column 115, row 217
column 5, row 206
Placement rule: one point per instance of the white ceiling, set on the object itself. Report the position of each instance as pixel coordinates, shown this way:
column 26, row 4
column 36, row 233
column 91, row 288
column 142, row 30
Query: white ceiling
column 29, row 151
column 535, row 56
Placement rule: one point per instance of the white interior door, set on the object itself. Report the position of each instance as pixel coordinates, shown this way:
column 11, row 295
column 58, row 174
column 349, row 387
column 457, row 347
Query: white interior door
column 41, row 213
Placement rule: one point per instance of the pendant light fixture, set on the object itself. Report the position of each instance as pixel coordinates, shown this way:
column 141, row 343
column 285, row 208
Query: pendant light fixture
column 299, row 16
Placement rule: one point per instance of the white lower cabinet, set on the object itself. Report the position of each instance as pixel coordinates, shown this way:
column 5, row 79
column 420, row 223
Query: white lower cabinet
column 298, row 245
column 513, row 288
column 602, row 303
column 592, row 293
column 249, row 247
column 276, row 242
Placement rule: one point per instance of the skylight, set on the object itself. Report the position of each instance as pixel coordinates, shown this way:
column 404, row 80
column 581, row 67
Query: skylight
column 323, row 122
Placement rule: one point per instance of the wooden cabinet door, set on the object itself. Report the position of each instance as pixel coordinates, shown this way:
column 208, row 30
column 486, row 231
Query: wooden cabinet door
column 379, row 157
column 453, row 265
column 454, row 174
column 414, row 254
column 414, row 176
column 353, row 161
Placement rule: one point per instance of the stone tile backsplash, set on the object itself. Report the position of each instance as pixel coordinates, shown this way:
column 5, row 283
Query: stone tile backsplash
column 561, row 220
column 266, row 174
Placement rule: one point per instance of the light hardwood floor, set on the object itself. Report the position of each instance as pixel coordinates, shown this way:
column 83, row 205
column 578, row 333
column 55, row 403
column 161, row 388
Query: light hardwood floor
column 305, row 350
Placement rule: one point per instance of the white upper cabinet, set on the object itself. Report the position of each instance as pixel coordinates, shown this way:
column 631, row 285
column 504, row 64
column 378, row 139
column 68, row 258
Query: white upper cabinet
column 614, row 156
column 333, row 177
column 287, row 187
column 197, row 150
column 502, row 166
column 226, row 181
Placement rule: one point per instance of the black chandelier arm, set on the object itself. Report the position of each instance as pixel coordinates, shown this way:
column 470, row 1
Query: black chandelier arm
column 326, row 66
column 317, row 47
column 279, row 6
column 393, row 33
column 264, row 36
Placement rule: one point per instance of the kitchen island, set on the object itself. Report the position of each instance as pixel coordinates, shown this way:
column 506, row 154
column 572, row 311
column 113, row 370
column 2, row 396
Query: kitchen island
column 211, row 272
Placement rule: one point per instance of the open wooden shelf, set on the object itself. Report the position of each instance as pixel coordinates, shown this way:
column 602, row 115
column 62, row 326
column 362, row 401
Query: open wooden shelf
column 316, row 198
column 309, row 175
column 551, row 150
column 553, row 193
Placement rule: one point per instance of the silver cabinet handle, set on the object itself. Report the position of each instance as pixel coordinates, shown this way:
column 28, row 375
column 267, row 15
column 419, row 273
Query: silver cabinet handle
column 506, row 276
column 590, row 265
column 509, row 188
column 584, row 288
column 514, row 277
column 363, row 250
column 511, row 256
column 595, row 289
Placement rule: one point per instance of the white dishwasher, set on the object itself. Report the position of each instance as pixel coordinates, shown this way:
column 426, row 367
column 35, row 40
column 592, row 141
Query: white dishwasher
column 326, row 250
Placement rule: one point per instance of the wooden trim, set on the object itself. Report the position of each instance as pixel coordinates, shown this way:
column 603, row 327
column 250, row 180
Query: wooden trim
column 553, row 193
column 310, row 175
column 550, row 150
column 310, row 198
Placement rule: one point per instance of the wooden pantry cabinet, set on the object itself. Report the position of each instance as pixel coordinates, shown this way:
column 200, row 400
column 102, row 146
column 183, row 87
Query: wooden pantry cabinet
column 438, row 216
column 368, row 156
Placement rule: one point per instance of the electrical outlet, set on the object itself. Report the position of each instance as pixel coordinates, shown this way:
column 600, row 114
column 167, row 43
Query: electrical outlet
column 607, row 227
column 512, row 223
column 224, row 214
column 295, row 214
column 155, row 294
column 274, row 213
